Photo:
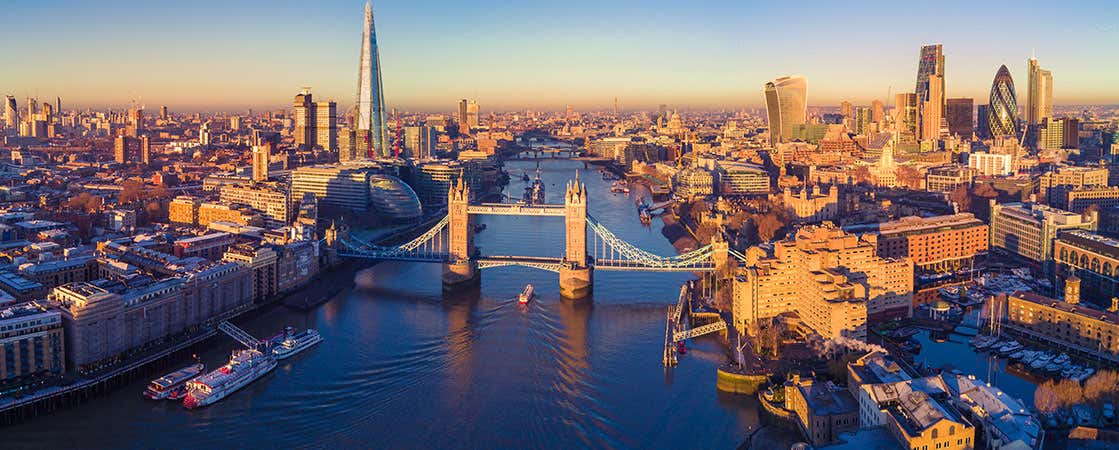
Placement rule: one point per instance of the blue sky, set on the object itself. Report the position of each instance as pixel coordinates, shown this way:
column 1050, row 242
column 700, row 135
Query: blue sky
column 236, row 54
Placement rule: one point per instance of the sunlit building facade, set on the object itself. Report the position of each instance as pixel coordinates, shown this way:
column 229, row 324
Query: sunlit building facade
column 786, row 101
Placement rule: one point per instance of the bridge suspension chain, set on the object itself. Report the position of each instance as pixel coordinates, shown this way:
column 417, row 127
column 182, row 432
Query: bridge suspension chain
column 612, row 243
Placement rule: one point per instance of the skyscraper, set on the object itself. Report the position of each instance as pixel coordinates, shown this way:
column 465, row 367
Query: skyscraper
column 905, row 111
column 786, row 101
column 930, row 90
column 303, row 111
column 260, row 162
column 1039, row 93
column 862, row 119
column 163, row 112
column 145, row 149
column 982, row 127
column 961, row 117
column 371, row 123
column 931, row 110
column 11, row 112
column 326, row 125
column 878, row 112
column 472, row 115
column 1002, row 114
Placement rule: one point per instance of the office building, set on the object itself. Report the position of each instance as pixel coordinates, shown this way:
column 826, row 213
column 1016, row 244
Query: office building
column 371, row 126
column 274, row 203
column 948, row 178
column 261, row 159
column 303, row 114
column 1028, row 230
column 786, row 101
column 930, row 91
column 183, row 210
column 1078, row 199
column 326, row 126
column 1091, row 257
column 163, row 112
column 1039, row 93
column 1058, row 133
column 11, row 112
column 931, row 110
column 31, row 342
column 863, row 117
column 961, row 117
column 262, row 261
column 991, row 164
column 737, row 178
column 832, row 279
column 1002, row 115
column 905, row 111
column 1072, row 177
column 878, row 112
column 135, row 125
column 335, row 185
column 419, row 142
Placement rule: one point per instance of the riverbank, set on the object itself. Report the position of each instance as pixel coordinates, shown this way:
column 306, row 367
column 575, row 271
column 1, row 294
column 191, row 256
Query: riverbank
column 155, row 360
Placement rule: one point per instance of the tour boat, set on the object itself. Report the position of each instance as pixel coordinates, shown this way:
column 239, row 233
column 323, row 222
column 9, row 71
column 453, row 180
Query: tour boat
column 243, row 368
column 167, row 385
column 296, row 342
column 526, row 294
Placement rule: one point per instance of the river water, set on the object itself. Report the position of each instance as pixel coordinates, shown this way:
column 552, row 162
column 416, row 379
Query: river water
column 403, row 366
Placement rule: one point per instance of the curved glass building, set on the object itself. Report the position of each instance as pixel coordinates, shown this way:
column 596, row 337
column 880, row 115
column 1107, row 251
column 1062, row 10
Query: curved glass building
column 393, row 199
column 1002, row 114
column 786, row 102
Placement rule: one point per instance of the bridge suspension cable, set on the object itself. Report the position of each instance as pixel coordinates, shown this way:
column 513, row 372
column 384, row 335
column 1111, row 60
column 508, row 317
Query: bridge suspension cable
column 612, row 251
column 430, row 245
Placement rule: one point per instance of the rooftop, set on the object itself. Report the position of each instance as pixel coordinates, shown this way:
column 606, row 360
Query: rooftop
column 1078, row 309
column 1091, row 241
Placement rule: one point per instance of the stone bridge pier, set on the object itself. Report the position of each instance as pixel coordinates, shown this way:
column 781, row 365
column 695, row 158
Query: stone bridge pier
column 462, row 269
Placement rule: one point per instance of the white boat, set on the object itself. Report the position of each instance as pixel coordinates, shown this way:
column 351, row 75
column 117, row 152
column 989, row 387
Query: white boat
column 526, row 294
column 294, row 343
column 1009, row 347
column 1041, row 361
column 162, row 387
column 1018, row 354
column 244, row 367
column 1063, row 358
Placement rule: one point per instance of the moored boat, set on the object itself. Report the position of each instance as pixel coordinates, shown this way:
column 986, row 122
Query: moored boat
column 244, row 367
column 294, row 343
column 165, row 387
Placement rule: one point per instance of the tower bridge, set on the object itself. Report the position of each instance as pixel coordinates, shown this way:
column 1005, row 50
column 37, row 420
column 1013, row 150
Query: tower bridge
column 450, row 242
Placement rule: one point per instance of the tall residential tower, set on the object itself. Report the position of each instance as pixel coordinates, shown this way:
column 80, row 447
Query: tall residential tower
column 371, row 124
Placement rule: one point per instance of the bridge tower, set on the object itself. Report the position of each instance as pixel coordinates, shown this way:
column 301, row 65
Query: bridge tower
column 720, row 250
column 462, row 269
column 576, row 275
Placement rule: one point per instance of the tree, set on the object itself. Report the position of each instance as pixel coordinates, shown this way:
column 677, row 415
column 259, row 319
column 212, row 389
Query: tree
column 768, row 226
column 1069, row 393
column 1045, row 398
column 962, row 197
column 1102, row 386
column 909, row 177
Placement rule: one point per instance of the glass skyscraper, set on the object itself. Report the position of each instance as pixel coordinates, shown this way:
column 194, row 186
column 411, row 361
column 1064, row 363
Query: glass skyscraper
column 371, row 126
column 786, row 101
column 930, row 90
column 1002, row 113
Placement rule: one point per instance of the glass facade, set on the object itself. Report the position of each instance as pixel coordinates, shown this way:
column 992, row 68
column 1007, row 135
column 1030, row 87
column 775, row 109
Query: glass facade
column 370, row 98
column 1002, row 113
column 393, row 199
column 786, row 101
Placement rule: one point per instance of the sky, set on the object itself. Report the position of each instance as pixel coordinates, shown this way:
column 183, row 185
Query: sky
column 517, row 54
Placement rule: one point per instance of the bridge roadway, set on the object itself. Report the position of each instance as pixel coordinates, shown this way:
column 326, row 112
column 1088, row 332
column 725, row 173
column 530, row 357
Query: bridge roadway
column 506, row 209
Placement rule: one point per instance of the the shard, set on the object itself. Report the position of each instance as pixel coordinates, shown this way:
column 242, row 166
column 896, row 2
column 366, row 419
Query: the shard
column 371, row 126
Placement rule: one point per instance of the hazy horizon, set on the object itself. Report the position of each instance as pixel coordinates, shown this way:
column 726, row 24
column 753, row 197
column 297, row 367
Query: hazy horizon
column 211, row 56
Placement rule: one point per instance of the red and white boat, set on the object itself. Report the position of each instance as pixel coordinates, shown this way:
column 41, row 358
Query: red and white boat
column 243, row 368
column 526, row 294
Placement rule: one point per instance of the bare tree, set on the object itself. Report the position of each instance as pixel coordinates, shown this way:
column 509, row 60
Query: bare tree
column 1045, row 398
column 1102, row 386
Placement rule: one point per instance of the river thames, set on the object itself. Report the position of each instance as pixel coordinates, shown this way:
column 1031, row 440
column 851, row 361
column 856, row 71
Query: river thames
column 403, row 366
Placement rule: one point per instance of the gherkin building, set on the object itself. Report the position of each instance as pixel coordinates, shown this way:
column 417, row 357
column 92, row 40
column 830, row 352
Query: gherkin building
column 1002, row 115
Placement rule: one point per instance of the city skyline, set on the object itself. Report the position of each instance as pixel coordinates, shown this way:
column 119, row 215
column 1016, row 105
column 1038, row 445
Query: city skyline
column 580, row 56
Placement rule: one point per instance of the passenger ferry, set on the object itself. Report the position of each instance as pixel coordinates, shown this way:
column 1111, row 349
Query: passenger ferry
column 169, row 385
column 526, row 294
column 243, row 368
column 296, row 342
